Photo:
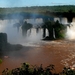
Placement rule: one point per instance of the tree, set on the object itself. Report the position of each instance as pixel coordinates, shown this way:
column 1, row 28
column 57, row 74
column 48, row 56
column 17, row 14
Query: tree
column 58, row 28
column 17, row 25
column 25, row 27
column 49, row 26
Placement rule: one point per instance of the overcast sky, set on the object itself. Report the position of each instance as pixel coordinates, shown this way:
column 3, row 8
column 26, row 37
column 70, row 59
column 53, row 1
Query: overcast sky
column 24, row 3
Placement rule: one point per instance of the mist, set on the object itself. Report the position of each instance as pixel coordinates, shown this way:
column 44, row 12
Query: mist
column 70, row 32
column 15, row 37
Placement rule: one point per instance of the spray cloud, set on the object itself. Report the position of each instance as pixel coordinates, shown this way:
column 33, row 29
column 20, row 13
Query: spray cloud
column 70, row 34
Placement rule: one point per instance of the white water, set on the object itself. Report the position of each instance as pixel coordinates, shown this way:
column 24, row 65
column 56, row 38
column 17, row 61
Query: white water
column 34, row 40
column 70, row 33
column 61, row 20
column 15, row 37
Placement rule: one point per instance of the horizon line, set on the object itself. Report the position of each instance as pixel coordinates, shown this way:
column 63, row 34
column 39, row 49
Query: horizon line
column 35, row 6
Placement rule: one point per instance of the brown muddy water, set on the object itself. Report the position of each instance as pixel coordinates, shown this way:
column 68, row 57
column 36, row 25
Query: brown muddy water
column 60, row 53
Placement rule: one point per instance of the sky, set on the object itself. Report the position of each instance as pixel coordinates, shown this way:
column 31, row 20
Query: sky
column 28, row 3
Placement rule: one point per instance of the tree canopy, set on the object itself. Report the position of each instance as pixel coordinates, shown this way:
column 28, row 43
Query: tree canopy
column 38, row 9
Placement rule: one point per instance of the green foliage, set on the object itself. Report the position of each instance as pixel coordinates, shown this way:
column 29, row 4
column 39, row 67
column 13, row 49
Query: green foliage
column 0, row 61
column 67, row 71
column 58, row 29
column 38, row 9
column 25, row 27
column 26, row 69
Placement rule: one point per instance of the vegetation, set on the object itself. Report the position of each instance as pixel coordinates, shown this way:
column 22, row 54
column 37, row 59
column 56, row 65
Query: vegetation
column 44, row 10
column 53, row 27
column 26, row 26
column 59, row 30
column 0, row 61
column 38, row 9
column 27, row 69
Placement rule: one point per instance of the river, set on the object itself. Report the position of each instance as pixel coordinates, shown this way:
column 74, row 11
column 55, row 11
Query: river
column 35, row 51
column 60, row 53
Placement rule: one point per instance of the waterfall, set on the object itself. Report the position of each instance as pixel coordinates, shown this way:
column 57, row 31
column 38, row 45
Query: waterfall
column 34, row 35
column 70, row 32
column 54, row 33
column 61, row 20
column 15, row 37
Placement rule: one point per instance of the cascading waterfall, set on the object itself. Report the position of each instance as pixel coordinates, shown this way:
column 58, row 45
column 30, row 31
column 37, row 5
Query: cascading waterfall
column 6, row 26
column 70, row 30
column 34, row 35
column 15, row 37
column 70, row 33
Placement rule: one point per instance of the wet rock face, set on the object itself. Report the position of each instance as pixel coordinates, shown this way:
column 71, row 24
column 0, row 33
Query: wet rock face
column 3, row 41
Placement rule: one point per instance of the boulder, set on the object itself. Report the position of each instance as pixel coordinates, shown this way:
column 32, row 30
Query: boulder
column 3, row 41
